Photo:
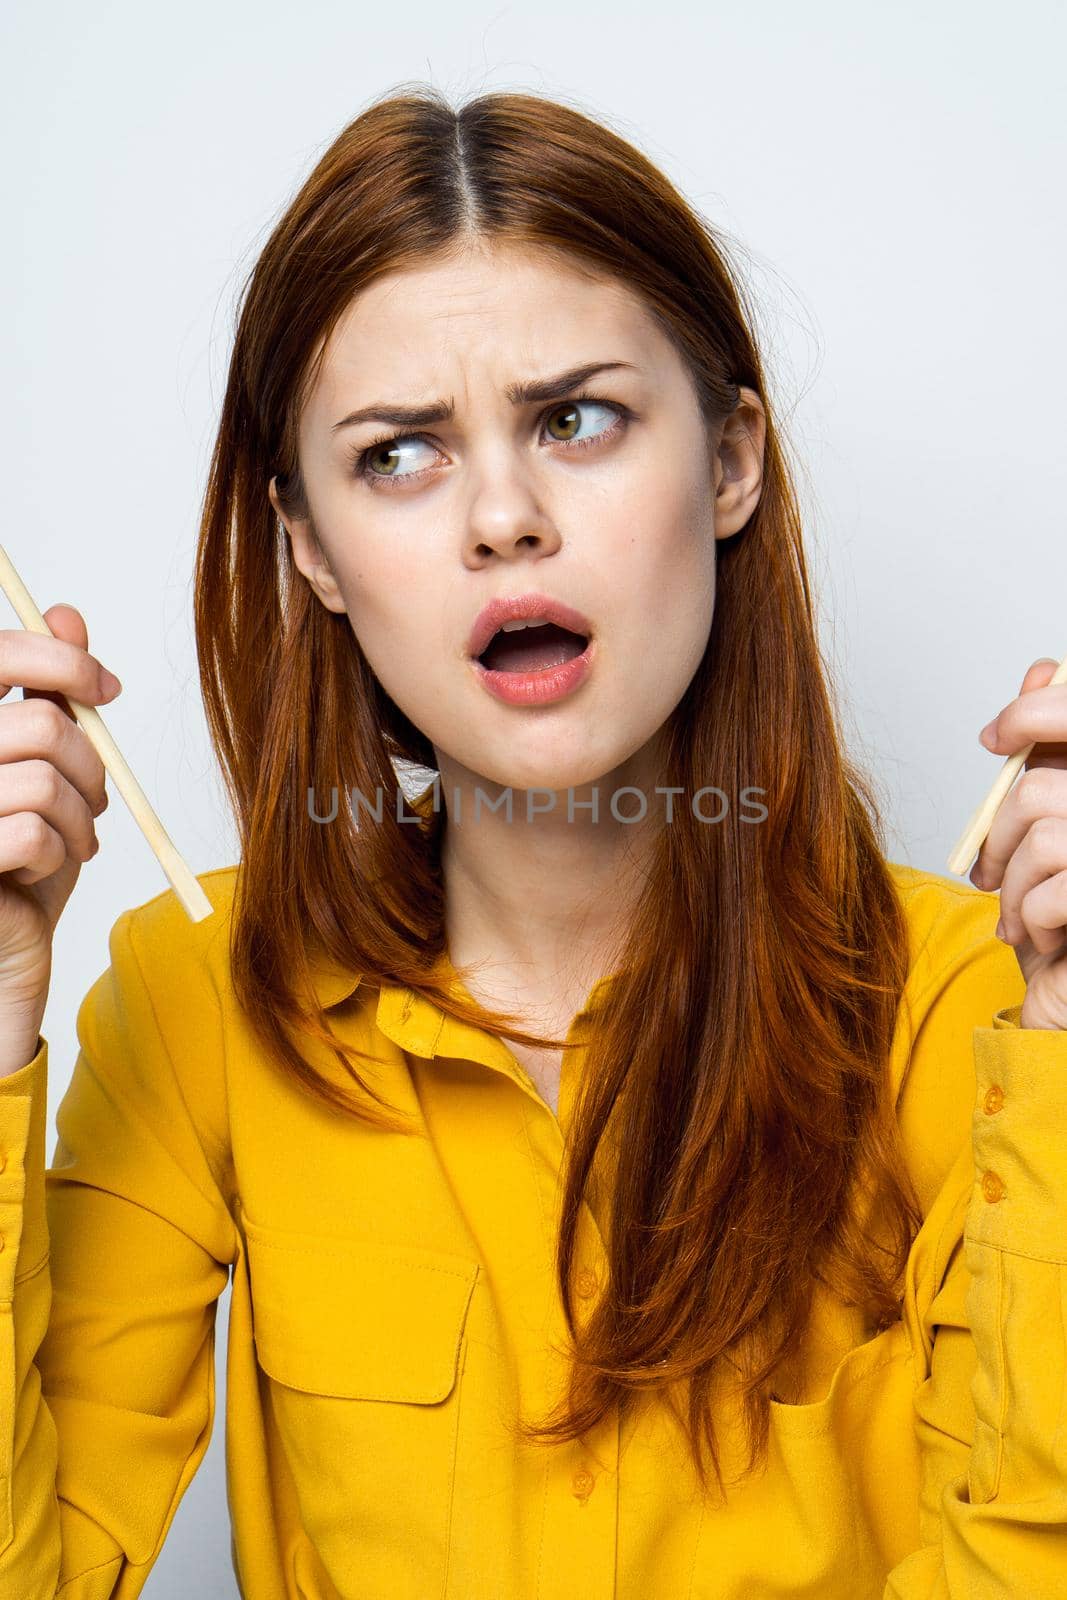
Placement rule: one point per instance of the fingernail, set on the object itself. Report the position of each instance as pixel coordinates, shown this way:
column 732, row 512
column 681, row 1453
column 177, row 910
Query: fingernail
column 986, row 736
column 1000, row 930
column 109, row 684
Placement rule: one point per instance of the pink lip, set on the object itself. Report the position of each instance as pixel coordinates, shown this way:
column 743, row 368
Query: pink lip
column 538, row 688
column 497, row 612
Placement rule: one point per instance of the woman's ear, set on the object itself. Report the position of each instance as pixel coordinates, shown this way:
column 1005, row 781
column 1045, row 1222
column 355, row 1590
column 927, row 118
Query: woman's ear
column 738, row 464
column 308, row 555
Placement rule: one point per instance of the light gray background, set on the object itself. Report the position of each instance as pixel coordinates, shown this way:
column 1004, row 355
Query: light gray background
column 893, row 179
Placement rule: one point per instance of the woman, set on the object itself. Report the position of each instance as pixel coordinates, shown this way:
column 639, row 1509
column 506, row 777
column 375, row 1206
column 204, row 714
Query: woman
column 633, row 1184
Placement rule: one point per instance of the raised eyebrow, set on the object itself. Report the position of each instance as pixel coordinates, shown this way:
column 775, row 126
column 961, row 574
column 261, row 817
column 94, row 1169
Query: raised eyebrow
column 518, row 393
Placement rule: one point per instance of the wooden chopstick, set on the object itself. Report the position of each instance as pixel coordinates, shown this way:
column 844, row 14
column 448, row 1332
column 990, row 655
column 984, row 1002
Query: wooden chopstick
column 182, row 879
column 974, row 834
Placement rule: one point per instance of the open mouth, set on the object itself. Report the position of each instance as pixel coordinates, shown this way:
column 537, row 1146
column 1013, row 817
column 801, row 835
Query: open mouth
column 532, row 649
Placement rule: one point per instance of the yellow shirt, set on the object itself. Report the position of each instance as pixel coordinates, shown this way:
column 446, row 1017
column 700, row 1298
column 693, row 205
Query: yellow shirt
column 394, row 1305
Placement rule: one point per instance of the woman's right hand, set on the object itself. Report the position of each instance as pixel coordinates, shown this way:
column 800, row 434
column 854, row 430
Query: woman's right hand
column 51, row 791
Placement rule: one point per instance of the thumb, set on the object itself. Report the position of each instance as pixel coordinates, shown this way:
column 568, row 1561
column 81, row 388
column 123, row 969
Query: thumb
column 66, row 623
column 1053, row 753
column 1039, row 674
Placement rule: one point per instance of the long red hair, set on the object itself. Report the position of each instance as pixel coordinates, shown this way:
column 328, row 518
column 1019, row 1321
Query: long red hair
column 738, row 1070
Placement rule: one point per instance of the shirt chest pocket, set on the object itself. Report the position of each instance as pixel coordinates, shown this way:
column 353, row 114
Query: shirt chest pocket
column 362, row 1342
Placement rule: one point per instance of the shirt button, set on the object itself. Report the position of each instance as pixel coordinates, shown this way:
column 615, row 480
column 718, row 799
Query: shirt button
column 994, row 1100
column 586, row 1283
column 992, row 1186
column 582, row 1483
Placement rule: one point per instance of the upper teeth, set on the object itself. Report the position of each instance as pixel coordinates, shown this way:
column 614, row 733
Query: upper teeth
column 523, row 622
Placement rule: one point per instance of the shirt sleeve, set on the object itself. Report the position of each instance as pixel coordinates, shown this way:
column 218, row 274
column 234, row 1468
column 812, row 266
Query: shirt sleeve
column 111, row 1264
column 992, row 1411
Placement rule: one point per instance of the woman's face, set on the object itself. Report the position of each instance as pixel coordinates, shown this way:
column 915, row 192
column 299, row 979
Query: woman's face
column 612, row 506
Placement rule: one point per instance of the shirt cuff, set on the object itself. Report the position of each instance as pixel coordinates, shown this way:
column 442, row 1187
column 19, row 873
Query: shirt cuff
column 1019, row 1139
column 23, row 1227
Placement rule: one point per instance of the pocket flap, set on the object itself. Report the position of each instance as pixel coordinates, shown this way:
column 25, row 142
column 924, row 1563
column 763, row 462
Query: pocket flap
column 355, row 1318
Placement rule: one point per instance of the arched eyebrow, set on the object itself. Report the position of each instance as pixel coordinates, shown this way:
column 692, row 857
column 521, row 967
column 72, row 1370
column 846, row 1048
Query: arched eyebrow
column 560, row 384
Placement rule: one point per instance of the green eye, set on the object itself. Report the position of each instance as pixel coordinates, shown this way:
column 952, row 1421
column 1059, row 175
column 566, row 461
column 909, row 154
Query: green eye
column 369, row 458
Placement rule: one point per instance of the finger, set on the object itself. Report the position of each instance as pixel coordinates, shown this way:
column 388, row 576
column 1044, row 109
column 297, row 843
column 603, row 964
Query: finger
column 1041, row 792
column 1043, row 914
column 66, row 623
column 1044, row 753
column 38, row 788
column 30, row 848
column 33, row 730
column 1038, row 674
column 1038, row 715
column 1041, row 855
column 54, row 667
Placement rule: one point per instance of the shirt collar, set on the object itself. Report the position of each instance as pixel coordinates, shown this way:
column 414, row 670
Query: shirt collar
column 422, row 1028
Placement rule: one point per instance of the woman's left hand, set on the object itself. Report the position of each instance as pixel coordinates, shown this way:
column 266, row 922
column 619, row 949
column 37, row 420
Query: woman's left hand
column 1025, row 851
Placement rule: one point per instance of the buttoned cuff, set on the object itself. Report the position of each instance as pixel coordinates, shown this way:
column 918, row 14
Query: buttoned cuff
column 1019, row 1138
